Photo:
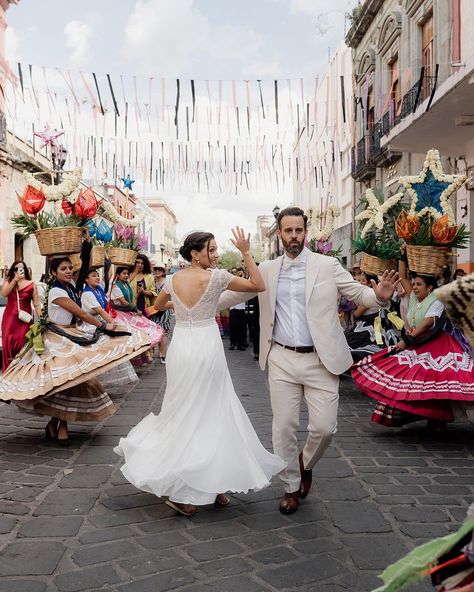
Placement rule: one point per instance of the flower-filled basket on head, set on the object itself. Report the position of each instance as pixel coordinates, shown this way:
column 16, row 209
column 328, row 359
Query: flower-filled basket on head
column 124, row 247
column 376, row 238
column 320, row 238
column 57, row 232
column 428, row 227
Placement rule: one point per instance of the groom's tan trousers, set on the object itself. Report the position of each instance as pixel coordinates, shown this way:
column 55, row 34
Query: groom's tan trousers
column 293, row 377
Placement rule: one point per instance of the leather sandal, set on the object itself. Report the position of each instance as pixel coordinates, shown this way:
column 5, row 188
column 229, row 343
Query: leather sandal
column 222, row 500
column 183, row 509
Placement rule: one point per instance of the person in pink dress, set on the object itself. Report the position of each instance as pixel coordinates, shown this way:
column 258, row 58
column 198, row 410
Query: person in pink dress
column 20, row 291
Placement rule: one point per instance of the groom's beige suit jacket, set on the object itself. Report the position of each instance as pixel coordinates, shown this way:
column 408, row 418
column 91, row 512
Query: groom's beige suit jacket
column 326, row 279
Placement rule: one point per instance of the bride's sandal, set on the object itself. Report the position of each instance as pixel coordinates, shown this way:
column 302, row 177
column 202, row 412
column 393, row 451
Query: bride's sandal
column 222, row 500
column 183, row 509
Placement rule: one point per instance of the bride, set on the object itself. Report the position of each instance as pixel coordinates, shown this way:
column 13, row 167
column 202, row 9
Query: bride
column 202, row 443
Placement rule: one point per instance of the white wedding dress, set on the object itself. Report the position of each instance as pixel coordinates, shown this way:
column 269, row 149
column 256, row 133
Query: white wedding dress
column 202, row 443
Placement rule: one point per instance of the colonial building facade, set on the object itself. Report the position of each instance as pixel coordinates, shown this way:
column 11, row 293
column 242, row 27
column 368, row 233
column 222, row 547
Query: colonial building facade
column 413, row 85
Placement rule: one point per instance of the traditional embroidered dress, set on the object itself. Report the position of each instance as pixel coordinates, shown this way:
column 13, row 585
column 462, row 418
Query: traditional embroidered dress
column 122, row 377
column 374, row 330
column 429, row 379
column 61, row 380
column 139, row 322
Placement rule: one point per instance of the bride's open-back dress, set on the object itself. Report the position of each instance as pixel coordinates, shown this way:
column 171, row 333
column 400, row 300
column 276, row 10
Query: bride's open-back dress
column 202, row 443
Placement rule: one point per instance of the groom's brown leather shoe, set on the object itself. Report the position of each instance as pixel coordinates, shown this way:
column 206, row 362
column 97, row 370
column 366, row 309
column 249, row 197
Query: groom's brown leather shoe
column 306, row 478
column 289, row 503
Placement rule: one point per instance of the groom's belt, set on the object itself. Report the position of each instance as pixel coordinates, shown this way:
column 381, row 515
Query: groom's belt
column 299, row 349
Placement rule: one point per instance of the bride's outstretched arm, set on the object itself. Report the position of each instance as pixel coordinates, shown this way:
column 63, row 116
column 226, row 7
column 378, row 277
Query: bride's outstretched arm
column 255, row 282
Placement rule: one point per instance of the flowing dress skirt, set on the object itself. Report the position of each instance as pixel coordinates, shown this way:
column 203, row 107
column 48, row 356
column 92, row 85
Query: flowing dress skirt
column 63, row 381
column 425, row 380
column 202, row 443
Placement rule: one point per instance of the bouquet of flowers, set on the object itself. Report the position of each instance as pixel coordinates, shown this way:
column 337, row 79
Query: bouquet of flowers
column 320, row 237
column 428, row 227
column 125, row 244
column 376, row 238
column 57, row 230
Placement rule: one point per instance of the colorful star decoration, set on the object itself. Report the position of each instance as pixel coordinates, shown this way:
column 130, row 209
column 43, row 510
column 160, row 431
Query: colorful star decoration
column 431, row 189
column 49, row 137
column 375, row 211
column 128, row 183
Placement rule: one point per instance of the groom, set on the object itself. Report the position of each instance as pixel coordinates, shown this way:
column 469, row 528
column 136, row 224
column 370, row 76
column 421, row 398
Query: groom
column 303, row 343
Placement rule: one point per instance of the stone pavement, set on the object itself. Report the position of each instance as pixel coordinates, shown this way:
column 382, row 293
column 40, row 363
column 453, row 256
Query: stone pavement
column 69, row 521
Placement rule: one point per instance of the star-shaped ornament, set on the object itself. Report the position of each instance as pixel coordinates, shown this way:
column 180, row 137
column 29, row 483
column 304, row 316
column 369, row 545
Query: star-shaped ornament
column 49, row 137
column 128, row 183
column 431, row 189
column 375, row 211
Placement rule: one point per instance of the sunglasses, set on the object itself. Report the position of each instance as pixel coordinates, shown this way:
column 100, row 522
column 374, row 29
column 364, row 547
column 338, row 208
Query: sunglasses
column 18, row 269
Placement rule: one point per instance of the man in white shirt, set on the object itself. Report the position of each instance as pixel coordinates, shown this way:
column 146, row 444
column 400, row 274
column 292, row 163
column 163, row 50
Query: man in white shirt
column 302, row 341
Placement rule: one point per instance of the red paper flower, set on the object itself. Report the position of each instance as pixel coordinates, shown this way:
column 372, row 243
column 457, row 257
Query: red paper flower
column 86, row 205
column 32, row 200
column 67, row 207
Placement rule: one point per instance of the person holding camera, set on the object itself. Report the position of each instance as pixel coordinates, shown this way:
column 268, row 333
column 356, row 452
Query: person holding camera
column 20, row 291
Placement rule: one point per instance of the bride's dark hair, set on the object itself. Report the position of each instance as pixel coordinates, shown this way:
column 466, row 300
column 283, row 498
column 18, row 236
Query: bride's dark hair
column 196, row 241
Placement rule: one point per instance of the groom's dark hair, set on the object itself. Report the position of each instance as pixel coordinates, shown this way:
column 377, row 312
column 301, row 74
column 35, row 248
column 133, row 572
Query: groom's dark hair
column 292, row 211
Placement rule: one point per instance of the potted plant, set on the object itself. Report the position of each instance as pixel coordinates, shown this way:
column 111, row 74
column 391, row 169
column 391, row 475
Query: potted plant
column 376, row 238
column 428, row 227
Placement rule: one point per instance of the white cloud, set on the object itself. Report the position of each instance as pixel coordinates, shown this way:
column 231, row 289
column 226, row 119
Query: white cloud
column 78, row 35
column 12, row 43
column 163, row 36
column 168, row 38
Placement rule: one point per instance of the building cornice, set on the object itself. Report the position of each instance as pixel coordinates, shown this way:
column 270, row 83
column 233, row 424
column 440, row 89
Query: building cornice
column 362, row 22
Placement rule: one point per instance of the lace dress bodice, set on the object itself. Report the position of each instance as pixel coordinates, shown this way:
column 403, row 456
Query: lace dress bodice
column 204, row 311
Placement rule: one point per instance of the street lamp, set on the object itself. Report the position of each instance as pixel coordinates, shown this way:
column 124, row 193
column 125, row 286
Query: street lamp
column 162, row 249
column 276, row 213
column 58, row 156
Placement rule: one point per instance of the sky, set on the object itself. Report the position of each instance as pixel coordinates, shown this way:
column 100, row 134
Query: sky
column 198, row 39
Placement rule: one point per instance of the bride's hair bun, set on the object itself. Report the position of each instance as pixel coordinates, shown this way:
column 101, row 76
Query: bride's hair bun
column 196, row 241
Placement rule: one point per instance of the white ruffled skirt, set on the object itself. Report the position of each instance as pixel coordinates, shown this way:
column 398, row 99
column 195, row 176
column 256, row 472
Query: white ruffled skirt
column 202, row 443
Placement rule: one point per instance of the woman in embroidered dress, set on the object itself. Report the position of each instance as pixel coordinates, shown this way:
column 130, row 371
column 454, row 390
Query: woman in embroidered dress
column 55, row 375
column 429, row 374
column 20, row 291
column 202, row 443
column 125, row 311
column 362, row 337
column 94, row 301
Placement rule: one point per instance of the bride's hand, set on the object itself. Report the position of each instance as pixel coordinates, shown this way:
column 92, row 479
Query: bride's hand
column 240, row 240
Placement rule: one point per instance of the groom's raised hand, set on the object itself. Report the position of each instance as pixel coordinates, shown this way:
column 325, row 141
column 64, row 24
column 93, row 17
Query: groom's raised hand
column 386, row 286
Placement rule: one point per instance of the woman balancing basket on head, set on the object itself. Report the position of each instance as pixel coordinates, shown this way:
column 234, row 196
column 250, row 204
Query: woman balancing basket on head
column 429, row 374
column 56, row 373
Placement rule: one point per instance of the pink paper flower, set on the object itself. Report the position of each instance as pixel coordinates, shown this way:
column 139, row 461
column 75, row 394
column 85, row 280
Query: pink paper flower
column 324, row 247
column 142, row 241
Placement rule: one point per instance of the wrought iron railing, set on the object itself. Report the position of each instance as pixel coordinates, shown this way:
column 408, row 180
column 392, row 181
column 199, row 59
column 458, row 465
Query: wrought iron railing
column 369, row 148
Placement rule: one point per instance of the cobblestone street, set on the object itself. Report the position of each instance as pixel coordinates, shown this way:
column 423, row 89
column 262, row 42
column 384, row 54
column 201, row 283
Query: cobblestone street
column 70, row 522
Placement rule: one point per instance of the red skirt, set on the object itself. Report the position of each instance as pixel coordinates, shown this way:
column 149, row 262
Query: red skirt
column 419, row 380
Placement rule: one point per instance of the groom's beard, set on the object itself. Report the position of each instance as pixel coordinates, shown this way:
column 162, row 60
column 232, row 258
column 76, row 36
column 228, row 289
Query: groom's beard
column 294, row 246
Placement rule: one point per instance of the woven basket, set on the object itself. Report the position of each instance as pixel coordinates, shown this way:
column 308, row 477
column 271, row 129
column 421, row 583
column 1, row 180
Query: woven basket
column 76, row 262
column 59, row 241
column 376, row 266
column 427, row 260
column 122, row 257
column 97, row 257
